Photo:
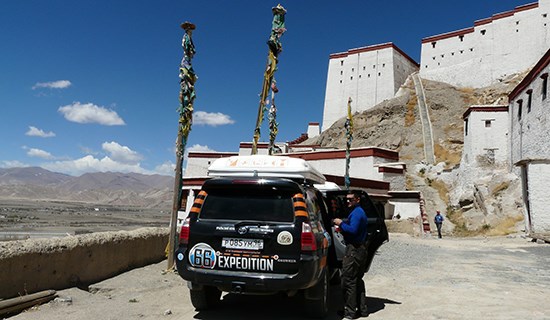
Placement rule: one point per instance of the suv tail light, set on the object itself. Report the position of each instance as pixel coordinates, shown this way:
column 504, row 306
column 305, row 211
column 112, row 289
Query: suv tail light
column 184, row 232
column 308, row 238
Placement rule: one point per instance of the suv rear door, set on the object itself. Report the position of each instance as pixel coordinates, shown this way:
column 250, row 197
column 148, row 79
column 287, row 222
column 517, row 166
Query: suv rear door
column 377, row 231
column 248, row 226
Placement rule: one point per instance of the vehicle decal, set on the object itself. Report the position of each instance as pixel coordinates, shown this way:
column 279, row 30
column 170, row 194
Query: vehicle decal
column 180, row 256
column 300, row 208
column 199, row 200
column 261, row 229
column 285, row 238
column 225, row 228
column 202, row 256
column 250, row 263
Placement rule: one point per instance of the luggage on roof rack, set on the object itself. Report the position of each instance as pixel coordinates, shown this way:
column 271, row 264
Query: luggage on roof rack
column 264, row 166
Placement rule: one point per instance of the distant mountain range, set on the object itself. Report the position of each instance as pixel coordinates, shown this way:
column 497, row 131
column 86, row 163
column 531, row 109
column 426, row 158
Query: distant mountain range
column 113, row 188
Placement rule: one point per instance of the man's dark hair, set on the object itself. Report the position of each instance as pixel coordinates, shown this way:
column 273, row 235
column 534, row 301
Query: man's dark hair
column 356, row 193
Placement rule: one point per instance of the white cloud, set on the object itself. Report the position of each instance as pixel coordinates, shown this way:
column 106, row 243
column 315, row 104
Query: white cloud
column 199, row 148
column 35, row 132
column 90, row 113
column 90, row 164
column 38, row 153
column 167, row 169
column 60, row 84
column 213, row 119
column 121, row 154
column 12, row 164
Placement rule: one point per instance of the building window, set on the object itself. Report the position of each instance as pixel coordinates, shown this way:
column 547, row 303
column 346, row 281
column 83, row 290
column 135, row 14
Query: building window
column 341, row 62
column 544, row 85
column 363, row 68
column 529, row 98
column 520, row 105
column 341, row 72
column 433, row 44
column 466, row 127
column 351, row 78
column 472, row 49
column 383, row 65
column 340, row 81
column 368, row 75
column 461, row 37
column 483, row 32
column 379, row 74
column 352, row 69
column 487, row 123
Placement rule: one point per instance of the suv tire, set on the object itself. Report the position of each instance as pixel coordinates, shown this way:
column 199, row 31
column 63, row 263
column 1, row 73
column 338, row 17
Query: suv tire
column 205, row 298
column 316, row 297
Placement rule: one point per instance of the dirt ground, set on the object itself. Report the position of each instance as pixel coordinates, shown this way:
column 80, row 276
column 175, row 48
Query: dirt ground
column 411, row 278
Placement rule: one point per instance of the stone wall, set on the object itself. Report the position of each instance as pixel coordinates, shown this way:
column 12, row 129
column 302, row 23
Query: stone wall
column 29, row 266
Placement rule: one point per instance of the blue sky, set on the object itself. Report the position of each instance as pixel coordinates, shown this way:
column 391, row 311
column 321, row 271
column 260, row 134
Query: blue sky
column 90, row 86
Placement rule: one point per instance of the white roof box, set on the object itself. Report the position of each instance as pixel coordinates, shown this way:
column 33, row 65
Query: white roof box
column 327, row 186
column 264, row 166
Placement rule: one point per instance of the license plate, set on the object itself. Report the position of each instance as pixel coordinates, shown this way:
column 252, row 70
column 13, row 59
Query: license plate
column 245, row 244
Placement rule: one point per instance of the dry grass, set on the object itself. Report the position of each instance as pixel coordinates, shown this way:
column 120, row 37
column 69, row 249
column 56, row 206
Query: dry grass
column 443, row 155
column 419, row 145
column 441, row 188
column 409, row 116
column 501, row 187
column 505, row 226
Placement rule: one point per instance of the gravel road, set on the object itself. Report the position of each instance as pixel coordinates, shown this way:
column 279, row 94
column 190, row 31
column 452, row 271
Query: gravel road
column 411, row 278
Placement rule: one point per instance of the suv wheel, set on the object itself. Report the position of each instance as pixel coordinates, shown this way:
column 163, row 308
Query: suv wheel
column 317, row 297
column 205, row 298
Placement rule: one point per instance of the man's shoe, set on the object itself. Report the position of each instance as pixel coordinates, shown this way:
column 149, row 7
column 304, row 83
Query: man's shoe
column 362, row 314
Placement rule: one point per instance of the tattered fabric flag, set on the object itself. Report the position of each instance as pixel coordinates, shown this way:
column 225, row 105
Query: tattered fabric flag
column 187, row 85
column 349, row 137
column 275, row 47
column 272, row 117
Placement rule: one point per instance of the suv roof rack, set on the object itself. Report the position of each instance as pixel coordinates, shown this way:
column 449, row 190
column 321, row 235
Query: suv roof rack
column 264, row 166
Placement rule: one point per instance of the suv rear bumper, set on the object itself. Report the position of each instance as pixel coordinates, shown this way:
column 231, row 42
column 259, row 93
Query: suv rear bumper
column 252, row 282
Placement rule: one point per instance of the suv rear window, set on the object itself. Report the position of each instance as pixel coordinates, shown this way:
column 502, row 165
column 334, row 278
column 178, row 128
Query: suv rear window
column 248, row 203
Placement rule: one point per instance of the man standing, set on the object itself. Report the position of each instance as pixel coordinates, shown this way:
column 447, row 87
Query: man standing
column 354, row 230
column 438, row 220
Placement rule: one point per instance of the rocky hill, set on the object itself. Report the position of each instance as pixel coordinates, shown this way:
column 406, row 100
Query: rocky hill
column 128, row 189
column 395, row 124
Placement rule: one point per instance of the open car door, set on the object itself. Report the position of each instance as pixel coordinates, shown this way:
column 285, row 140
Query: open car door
column 377, row 233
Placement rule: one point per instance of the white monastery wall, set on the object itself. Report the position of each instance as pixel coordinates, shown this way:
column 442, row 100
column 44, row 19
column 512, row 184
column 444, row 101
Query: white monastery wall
column 368, row 75
column 405, row 208
column 486, row 135
column 530, row 126
column 539, row 202
column 494, row 48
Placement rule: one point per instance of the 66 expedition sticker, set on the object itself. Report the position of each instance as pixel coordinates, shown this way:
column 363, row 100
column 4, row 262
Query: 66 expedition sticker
column 202, row 256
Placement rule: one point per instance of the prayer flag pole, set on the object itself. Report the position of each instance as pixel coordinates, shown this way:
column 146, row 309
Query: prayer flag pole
column 275, row 47
column 187, row 96
column 349, row 135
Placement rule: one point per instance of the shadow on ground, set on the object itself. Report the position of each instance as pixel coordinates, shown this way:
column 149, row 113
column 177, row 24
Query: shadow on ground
column 233, row 306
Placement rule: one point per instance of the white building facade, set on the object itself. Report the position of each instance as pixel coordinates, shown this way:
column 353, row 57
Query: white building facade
column 485, row 136
column 367, row 75
column 495, row 47
column 530, row 145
